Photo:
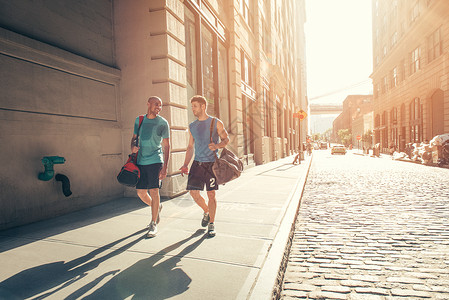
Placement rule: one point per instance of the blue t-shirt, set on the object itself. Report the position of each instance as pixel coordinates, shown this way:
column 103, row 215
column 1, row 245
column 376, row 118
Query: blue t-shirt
column 152, row 131
column 200, row 131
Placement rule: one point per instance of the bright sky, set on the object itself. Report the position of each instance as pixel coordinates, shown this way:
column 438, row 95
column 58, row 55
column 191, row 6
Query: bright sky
column 338, row 48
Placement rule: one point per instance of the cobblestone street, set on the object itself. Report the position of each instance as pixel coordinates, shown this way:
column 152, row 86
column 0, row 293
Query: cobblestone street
column 370, row 228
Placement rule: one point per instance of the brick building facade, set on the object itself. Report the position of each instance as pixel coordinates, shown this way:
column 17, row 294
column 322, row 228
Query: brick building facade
column 411, row 68
column 354, row 117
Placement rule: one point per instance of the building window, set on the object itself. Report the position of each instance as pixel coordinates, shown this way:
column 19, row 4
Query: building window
column 414, row 12
column 208, row 69
column 246, row 11
column 206, row 60
column 415, row 60
column 191, row 58
column 248, row 124
column 279, row 118
column 266, row 41
column 377, row 90
column 401, row 75
column 403, row 119
column 394, row 77
column 402, row 29
column 377, row 121
column 248, row 70
column 245, row 69
column 384, row 85
column 435, row 45
column 267, row 112
column 394, row 116
column 415, row 121
column 223, row 85
column 394, row 39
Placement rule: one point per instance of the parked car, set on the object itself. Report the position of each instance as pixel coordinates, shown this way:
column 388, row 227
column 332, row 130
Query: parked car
column 338, row 149
column 323, row 145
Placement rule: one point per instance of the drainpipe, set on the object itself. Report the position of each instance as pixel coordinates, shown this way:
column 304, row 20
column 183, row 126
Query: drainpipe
column 65, row 184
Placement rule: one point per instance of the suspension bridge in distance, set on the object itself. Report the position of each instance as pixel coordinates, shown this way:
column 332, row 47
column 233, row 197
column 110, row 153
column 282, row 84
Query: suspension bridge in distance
column 325, row 109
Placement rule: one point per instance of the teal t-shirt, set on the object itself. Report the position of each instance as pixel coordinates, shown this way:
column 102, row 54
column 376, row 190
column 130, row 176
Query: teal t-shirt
column 152, row 131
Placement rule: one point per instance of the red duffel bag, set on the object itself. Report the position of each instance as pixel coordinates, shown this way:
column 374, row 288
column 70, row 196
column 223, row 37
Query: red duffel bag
column 129, row 175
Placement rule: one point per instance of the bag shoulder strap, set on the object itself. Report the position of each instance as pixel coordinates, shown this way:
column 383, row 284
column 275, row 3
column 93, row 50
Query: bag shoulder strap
column 133, row 156
column 140, row 121
column 212, row 128
column 138, row 129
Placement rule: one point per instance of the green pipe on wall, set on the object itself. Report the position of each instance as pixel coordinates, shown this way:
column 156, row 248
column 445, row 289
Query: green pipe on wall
column 48, row 162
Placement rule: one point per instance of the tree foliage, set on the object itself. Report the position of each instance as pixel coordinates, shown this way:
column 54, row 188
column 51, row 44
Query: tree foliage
column 345, row 136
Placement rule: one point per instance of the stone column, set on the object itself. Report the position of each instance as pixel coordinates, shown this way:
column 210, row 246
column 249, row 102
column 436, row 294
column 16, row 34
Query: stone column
column 168, row 79
column 150, row 53
column 235, row 96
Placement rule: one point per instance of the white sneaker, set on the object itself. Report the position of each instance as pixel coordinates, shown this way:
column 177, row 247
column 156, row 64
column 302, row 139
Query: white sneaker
column 205, row 219
column 211, row 230
column 152, row 230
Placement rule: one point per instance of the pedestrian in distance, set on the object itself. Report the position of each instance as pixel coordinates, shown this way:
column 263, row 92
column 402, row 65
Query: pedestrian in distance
column 309, row 148
column 153, row 147
column 297, row 158
column 206, row 151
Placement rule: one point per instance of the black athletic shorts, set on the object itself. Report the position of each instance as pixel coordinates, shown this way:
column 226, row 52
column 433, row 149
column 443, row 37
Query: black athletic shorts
column 201, row 174
column 149, row 177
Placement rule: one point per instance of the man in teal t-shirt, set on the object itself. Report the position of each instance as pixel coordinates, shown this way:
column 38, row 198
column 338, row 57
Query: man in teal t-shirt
column 153, row 146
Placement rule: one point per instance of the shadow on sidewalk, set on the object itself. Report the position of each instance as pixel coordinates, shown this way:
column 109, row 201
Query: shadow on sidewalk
column 42, row 278
column 142, row 279
column 57, row 225
column 148, row 279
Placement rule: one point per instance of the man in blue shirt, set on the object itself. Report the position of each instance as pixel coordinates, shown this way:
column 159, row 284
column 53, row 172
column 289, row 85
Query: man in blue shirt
column 153, row 146
column 201, row 174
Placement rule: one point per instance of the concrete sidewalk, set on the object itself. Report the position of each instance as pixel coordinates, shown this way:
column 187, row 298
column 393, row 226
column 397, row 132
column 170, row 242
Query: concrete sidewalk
column 102, row 252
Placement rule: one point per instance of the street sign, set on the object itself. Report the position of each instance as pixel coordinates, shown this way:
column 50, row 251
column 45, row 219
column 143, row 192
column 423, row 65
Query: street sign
column 359, row 138
column 302, row 115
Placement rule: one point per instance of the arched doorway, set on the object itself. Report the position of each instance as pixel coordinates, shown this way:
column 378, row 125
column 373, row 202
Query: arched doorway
column 437, row 103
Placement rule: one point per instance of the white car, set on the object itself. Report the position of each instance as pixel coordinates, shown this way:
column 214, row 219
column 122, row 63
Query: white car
column 338, row 149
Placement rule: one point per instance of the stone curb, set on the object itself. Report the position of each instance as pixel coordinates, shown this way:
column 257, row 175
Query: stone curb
column 269, row 280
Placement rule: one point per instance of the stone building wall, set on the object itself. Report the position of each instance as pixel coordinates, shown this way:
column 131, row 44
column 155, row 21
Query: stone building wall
column 76, row 74
column 60, row 97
